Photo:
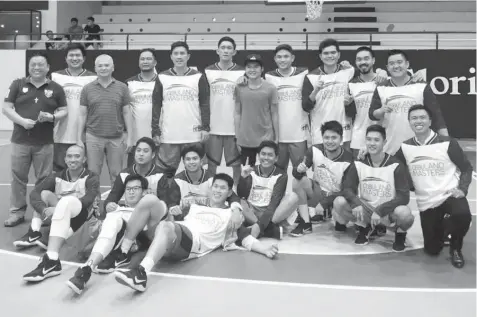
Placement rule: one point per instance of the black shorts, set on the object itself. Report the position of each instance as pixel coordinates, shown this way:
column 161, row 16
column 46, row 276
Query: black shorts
column 182, row 245
column 80, row 219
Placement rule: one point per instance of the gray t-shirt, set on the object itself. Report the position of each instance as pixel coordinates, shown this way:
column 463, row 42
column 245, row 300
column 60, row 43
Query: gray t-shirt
column 256, row 106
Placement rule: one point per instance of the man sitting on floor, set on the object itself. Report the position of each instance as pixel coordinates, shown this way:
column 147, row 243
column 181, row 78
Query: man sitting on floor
column 204, row 229
column 67, row 197
column 330, row 162
column 262, row 188
column 113, row 229
column 441, row 175
column 376, row 191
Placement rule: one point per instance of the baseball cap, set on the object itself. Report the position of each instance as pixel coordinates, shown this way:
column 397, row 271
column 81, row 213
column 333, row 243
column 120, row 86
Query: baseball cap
column 254, row 58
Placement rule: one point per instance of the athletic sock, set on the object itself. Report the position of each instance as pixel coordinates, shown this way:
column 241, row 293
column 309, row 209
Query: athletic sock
column 303, row 210
column 69, row 234
column 52, row 255
column 126, row 245
column 36, row 224
column 399, row 230
column 147, row 263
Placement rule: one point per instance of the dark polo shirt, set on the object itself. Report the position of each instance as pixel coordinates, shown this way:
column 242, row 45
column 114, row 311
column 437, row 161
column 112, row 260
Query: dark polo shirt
column 104, row 108
column 28, row 102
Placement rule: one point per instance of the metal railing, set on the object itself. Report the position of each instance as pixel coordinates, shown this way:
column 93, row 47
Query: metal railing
column 243, row 38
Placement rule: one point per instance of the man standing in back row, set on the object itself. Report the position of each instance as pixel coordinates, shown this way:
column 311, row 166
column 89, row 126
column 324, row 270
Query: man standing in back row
column 181, row 110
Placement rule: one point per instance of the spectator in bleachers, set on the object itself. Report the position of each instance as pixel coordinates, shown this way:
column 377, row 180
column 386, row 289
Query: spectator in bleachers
column 75, row 31
column 52, row 43
column 92, row 31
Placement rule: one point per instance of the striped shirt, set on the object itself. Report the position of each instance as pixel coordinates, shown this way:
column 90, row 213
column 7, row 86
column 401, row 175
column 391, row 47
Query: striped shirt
column 104, row 116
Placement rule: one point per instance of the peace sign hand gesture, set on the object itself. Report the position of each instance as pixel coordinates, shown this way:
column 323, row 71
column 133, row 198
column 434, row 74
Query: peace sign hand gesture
column 246, row 169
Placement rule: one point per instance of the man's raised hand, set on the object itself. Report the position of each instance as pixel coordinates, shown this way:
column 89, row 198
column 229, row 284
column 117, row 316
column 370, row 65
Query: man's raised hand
column 246, row 169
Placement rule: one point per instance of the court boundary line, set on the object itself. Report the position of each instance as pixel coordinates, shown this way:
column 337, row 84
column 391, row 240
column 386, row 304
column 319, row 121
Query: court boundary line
column 271, row 283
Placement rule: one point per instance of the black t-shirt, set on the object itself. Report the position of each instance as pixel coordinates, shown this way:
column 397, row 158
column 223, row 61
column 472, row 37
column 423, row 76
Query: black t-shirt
column 94, row 29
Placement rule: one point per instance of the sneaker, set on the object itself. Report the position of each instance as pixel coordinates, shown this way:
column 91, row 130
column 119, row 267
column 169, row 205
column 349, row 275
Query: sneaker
column 135, row 278
column 28, row 240
column 14, row 220
column 340, row 227
column 379, row 231
column 46, row 268
column 302, row 229
column 317, row 219
column 114, row 260
column 457, row 259
column 362, row 238
column 79, row 280
column 42, row 242
column 273, row 231
column 399, row 244
column 298, row 219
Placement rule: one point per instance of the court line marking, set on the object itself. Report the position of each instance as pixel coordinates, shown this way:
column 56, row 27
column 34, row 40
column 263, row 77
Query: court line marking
column 273, row 283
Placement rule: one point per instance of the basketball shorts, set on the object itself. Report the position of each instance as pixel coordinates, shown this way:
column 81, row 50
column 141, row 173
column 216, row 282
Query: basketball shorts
column 322, row 197
column 226, row 144
column 184, row 245
column 258, row 212
column 291, row 151
column 169, row 155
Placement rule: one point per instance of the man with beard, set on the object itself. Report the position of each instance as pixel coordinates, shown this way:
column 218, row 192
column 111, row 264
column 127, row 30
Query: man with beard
column 181, row 109
column 392, row 100
column 222, row 78
column 67, row 197
column 441, row 175
column 72, row 79
column 141, row 87
column 330, row 163
column 376, row 191
column 292, row 119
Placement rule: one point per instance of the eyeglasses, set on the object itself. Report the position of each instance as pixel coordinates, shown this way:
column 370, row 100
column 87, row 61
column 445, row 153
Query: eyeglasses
column 133, row 189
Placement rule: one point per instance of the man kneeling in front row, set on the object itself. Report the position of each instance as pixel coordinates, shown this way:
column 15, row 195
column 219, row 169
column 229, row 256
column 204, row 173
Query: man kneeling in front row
column 204, row 229
column 376, row 191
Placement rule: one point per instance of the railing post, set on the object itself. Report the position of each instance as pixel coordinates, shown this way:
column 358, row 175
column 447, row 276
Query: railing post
column 15, row 42
column 371, row 40
column 185, row 37
column 306, row 39
column 245, row 42
column 127, row 42
column 437, row 41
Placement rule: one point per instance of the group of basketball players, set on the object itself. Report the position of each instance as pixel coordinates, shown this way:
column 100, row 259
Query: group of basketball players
column 370, row 139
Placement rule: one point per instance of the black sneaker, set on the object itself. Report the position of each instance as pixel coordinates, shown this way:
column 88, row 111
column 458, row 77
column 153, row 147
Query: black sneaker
column 46, row 268
column 135, row 278
column 273, row 231
column 79, row 280
column 362, row 238
column 42, row 242
column 317, row 219
column 302, row 229
column 114, row 260
column 28, row 240
column 399, row 244
column 298, row 219
column 379, row 231
column 457, row 259
column 340, row 227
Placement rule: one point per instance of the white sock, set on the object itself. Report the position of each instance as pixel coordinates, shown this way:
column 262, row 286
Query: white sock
column 52, row 255
column 36, row 224
column 147, row 263
column 126, row 245
column 69, row 234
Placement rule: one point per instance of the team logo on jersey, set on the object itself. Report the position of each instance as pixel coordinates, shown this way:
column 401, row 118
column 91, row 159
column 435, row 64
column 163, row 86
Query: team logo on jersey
column 334, row 89
column 48, row 93
column 260, row 195
column 289, row 93
column 326, row 178
column 376, row 187
column 426, row 166
column 193, row 198
column 223, row 87
column 25, row 90
column 400, row 103
column 363, row 93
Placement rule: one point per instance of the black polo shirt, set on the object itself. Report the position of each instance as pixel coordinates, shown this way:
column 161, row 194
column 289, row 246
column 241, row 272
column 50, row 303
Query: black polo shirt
column 28, row 102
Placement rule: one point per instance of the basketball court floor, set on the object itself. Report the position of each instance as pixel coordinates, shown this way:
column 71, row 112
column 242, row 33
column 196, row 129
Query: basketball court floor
column 321, row 273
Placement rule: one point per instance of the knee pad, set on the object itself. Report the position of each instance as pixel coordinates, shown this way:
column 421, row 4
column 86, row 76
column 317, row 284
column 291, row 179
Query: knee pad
column 112, row 224
column 67, row 205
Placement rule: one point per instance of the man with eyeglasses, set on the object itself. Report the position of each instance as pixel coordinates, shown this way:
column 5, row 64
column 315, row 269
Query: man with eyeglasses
column 393, row 99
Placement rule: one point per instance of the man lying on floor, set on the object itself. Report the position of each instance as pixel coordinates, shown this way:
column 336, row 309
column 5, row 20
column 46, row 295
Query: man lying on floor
column 204, row 229
column 114, row 228
column 376, row 191
column 262, row 188
column 330, row 162
column 67, row 197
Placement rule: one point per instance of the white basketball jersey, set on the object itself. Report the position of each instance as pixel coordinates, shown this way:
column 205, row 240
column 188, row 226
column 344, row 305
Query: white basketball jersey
column 292, row 119
column 194, row 193
column 376, row 184
column 222, row 100
column 362, row 93
column 180, row 117
column 329, row 103
column 141, row 108
column 396, row 122
column 66, row 129
column 328, row 173
column 262, row 189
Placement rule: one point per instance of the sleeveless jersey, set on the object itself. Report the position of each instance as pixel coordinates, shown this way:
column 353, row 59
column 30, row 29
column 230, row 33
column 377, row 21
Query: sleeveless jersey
column 262, row 189
column 222, row 98
column 292, row 120
column 180, row 116
column 329, row 103
column 208, row 227
column 66, row 129
column 141, row 106
column 396, row 122
column 329, row 173
column 194, row 193
column 362, row 93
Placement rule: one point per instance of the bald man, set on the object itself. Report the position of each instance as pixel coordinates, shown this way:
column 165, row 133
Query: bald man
column 67, row 197
column 105, row 115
